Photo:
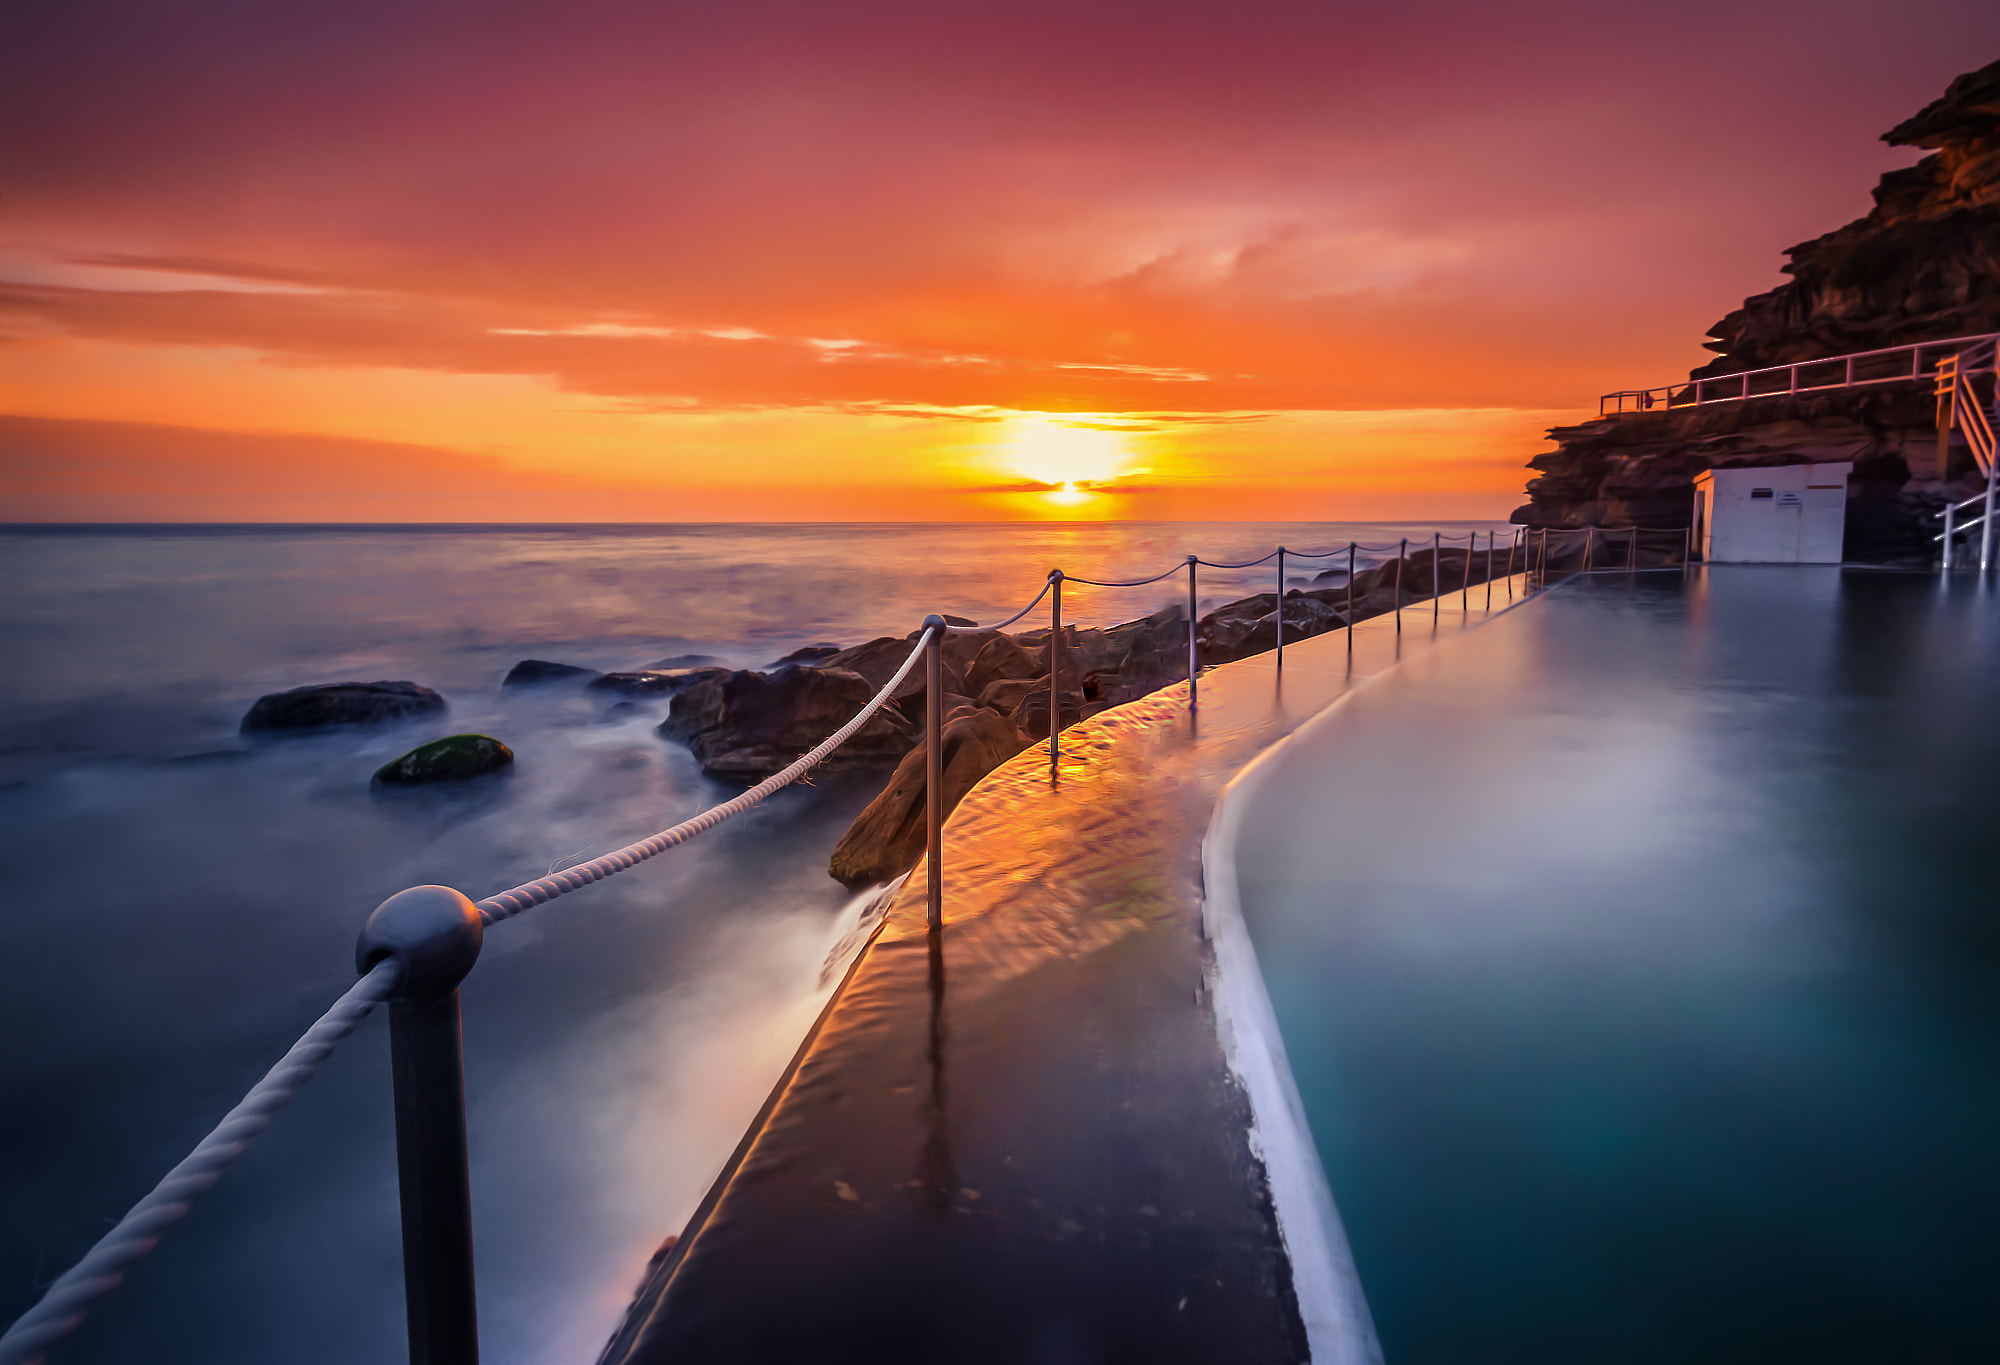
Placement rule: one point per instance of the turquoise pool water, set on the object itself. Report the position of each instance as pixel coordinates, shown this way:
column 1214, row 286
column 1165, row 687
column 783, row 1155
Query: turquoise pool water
column 1637, row 959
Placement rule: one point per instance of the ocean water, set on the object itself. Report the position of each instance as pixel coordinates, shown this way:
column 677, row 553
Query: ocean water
column 181, row 904
column 1638, row 960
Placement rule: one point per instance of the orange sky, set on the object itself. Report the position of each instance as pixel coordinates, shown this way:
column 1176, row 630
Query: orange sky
column 614, row 261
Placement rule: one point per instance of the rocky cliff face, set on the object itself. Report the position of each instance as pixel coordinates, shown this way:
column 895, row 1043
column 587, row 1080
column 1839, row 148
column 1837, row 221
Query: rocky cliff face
column 1923, row 266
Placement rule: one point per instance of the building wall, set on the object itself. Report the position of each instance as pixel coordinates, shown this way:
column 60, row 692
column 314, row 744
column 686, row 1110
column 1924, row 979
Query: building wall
column 1776, row 514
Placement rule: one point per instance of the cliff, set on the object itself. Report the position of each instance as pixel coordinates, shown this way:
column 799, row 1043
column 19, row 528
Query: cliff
column 1923, row 265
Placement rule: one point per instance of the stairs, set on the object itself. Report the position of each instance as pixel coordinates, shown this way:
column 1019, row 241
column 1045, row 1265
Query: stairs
column 1960, row 409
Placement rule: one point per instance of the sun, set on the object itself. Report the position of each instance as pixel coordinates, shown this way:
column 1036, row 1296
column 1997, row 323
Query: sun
column 1066, row 456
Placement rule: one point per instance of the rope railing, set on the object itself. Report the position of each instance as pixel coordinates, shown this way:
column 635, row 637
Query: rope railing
column 61, row 1310
column 507, row 904
column 420, row 943
column 76, row 1291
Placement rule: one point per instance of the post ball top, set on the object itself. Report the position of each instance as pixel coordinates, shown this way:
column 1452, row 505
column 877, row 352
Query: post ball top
column 433, row 931
column 933, row 622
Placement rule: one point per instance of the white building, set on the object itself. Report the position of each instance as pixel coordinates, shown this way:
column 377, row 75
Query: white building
column 1776, row 514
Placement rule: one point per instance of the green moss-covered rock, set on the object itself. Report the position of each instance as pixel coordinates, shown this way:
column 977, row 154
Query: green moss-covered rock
column 450, row 759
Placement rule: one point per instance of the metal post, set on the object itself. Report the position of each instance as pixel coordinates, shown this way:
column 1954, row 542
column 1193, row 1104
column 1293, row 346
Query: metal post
column 1491, row 536
column 1055, row 663
column 1687, row 551
column 1992, row 474
column 1281, row 606
column 1589, row 540
column 1513, row 537
column 1465, row 579
column 934, row 766
column 1437, row 573
column 1632, row 556
column 1402, row 553
column 433, row 933
column 1945, row 566
column 1192, row 664
column 1350, row 593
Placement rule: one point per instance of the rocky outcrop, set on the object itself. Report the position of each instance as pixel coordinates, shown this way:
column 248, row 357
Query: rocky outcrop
column 344, row 703
column 540, row 672
column 746, row 726
column 451, row 759
column 1923, row 265
column 888, row 837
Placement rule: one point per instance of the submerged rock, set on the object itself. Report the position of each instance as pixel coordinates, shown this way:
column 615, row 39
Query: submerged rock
column 654, row 682
column 810, row 654
column 451, row 759
column 887, row 839
column 536, row 672
column 343, row 703
column 745, row 726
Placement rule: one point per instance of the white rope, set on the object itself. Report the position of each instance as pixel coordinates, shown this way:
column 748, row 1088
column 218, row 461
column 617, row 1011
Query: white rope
column 531, row 894
column 78, row 1289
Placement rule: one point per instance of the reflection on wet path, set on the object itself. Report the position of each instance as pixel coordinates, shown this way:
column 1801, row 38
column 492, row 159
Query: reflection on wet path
column 1019, row 1139
column 1638, row 966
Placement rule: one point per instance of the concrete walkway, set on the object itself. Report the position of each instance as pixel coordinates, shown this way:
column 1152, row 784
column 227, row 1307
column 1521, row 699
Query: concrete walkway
column 1020, row 1139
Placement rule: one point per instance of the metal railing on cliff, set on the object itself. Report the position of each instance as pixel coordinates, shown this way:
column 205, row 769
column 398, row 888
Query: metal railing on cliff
column 418, row 945
column 1861, row 369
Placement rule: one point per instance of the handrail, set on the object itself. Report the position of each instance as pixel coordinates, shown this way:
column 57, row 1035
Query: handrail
column 1644, row 400
column 63, row 1307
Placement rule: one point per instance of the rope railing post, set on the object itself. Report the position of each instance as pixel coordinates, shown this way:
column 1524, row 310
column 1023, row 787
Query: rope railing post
column 433, row 934
column 1589, row 540
column 1437, row 573
column 1465, row 579
column 1402, row 556
column 1055, row 663
column 1350, row 594
column 1945, row 562
column 1281, row 606
column 934, row 767
column 1513, row 538
column 1193, row 663
column 1491, row 536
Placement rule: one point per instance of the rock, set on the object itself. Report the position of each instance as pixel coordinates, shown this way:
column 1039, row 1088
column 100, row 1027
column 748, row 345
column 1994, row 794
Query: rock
column 653, row 682
column 887, row 839
column 1305, row 617
column 746, row 726
column 451, row 759
column 1218, row 632
column 536, row 672
column 811, row 654
column 1031, row 714
column 1004, row 694
column 1000, row 659
column 1149, row 653
column 877, row 661
column 679, row 661
column 345, row 703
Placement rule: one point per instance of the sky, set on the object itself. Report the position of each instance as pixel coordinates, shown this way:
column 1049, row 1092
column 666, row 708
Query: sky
column 815, row 260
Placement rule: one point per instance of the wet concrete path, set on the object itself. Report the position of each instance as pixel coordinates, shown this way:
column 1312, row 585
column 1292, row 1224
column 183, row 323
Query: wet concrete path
column 1020, row 1139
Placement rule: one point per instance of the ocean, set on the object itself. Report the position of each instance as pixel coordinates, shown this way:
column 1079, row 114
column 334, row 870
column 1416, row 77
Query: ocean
column 182, row 903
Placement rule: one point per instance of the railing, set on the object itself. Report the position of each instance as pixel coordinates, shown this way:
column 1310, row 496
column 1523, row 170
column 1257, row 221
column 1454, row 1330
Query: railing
column 1890, row 365
column 1623, row 548
column 1959, row 408
column 419, row 945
